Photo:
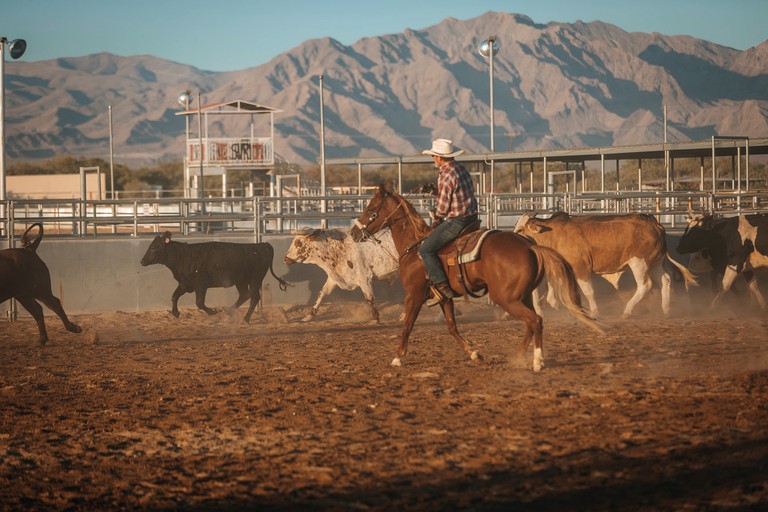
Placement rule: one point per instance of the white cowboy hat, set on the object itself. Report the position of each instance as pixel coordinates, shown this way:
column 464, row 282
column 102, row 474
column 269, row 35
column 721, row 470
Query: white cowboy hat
column 444, row 148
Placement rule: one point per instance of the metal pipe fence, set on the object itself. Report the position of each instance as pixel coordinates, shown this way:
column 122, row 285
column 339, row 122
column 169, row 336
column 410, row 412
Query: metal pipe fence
column 262, row 216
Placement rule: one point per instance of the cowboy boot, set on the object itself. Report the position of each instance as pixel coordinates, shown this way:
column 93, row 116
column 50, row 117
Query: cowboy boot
column 441, row 293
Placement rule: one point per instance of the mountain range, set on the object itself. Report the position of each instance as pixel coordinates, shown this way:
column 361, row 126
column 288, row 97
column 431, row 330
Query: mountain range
column 558, row 85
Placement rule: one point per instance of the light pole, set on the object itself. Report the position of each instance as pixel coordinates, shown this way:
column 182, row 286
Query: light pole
column 16, row 49
column 200, row 134
column 111, row 158
column 488, row 49
column 323, row 203
column 184, row 99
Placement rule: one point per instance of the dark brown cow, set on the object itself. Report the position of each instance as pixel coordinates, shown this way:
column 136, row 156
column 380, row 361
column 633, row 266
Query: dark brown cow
column 26, row 278
column 609, row 245
column 197, row 267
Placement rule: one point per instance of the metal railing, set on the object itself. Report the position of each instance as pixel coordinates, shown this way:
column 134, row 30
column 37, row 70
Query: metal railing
column 260, row 216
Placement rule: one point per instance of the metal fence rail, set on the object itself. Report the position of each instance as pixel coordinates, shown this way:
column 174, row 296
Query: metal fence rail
column 260, row 216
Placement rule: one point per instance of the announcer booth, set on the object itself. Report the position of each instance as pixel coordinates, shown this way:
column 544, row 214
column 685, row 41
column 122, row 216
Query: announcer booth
column 212, row 153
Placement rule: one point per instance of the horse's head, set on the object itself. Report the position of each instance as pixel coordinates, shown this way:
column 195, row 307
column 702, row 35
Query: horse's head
column 376, row 215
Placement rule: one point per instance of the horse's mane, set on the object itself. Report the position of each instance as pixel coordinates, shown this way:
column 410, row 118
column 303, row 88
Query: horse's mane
column 418, row 221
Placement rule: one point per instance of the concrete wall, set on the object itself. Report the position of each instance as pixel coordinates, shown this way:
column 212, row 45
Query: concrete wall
column 104, row 274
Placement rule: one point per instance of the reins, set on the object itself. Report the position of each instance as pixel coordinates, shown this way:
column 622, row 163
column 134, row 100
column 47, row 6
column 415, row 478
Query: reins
column 389, row 221
column 401, row 203
column 386, row 249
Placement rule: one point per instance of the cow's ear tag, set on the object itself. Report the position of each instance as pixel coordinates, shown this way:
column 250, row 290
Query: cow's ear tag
column 167, row 240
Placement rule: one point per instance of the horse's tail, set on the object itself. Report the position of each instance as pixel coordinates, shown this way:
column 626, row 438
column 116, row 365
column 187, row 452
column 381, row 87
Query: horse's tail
column 561, row 279
column 688, row 278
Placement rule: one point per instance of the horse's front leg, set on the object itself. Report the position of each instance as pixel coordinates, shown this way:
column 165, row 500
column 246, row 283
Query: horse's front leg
column 412, row 308
column 450, row 320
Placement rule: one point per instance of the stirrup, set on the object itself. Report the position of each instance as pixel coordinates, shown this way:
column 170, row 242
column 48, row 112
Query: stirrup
column 438, row 297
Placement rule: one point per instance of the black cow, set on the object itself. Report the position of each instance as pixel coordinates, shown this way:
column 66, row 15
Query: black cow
column 734, row 245
column 26, row 278
column 198, row 267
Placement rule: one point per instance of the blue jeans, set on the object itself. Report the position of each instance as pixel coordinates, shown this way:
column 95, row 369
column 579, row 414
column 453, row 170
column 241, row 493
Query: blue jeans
column 448, row 230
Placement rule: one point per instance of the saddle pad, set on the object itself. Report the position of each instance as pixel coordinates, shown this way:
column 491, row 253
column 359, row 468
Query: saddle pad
column 474, row 254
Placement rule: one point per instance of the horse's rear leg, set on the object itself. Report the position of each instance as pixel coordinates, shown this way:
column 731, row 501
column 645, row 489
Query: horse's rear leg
column 450, row 320
column 533, row 329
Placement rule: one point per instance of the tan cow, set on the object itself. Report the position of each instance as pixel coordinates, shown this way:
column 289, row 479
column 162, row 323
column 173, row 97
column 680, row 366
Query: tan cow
column 608, row 245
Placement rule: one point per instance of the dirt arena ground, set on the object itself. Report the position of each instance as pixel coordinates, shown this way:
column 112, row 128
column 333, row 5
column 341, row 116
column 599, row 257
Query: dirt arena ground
column 144, row 411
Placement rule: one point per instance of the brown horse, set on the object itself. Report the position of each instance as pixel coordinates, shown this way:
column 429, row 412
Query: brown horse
column 509, row 270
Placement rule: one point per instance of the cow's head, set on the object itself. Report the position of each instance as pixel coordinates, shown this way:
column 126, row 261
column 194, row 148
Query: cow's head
column 156, row 250
column 695, row 238
column 522, row 222
column 300, row 247
column 529, row 226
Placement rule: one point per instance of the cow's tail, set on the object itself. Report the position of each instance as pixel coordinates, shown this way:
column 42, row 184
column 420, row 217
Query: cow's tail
column 561, row 279
column 283, row 283
column 31, row 245
column 271, row 256
column 688, row 278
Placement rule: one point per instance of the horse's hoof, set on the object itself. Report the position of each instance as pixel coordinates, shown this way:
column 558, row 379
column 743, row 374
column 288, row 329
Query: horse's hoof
column 74, row 328
column 396, row 362
column 474, row 356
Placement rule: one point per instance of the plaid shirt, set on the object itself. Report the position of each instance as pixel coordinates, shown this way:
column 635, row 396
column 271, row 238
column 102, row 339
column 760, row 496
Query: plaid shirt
column 455, row 192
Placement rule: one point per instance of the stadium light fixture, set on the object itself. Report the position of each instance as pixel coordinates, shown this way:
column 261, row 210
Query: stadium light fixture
column 488, row 49
column 16, row 48
column 184, row 99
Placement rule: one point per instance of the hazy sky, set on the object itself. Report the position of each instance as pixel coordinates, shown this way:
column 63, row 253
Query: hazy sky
column 227, row 35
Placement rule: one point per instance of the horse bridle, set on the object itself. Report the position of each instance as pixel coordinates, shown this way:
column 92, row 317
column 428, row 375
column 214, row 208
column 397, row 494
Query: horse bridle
column 375, row 215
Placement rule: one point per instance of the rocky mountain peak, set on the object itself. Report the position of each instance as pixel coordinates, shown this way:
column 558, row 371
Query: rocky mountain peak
column 556, row 85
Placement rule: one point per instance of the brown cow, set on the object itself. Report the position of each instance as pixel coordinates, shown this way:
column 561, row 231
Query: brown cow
column 609, row 245
column 25, row 277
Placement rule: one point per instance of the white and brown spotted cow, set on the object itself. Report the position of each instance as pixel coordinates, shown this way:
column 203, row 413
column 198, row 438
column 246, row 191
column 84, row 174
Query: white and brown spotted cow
column 734, row 246
column 608, row 245
column 348, row 264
